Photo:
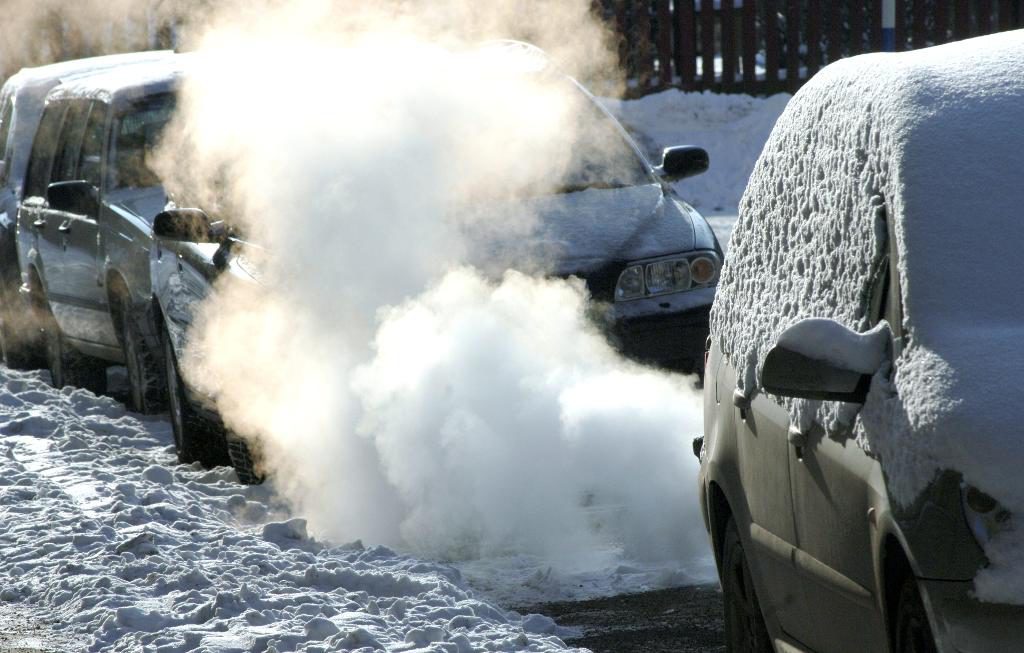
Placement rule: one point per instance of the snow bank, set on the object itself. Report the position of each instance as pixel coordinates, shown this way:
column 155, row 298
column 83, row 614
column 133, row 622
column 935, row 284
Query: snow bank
column 130, row 551
column 732, row 128
column 932, row 140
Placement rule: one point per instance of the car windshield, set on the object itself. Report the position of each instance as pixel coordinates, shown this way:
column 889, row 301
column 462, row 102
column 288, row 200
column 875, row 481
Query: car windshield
column 601, row 156
column 138, row 133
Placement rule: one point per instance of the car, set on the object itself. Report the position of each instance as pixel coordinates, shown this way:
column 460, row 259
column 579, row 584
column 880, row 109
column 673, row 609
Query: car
column 648, row 258
column 84, row 232
column 857, row 468
column 21, row 107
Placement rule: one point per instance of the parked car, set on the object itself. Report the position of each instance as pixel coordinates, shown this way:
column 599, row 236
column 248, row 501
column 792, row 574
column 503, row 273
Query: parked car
column 21, row 107
column 84, row 232
column 645, row 254
column 857, row 469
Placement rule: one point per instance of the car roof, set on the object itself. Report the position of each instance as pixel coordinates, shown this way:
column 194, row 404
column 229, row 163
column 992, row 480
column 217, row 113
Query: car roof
column 123, row 85
column 53, row 74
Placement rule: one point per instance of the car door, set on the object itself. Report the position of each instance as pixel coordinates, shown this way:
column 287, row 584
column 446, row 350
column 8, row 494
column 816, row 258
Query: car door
column 74, row 287
column 82, row 160
column 763, row 457
column 45, row 248
column 835, row 486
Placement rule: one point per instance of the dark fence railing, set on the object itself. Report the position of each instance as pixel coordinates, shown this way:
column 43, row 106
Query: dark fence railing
column 770, row 46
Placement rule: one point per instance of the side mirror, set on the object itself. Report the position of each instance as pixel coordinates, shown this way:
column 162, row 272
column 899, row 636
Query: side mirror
column 819, row 358
column 78, row 197
column 192, row 225
column 683, row 161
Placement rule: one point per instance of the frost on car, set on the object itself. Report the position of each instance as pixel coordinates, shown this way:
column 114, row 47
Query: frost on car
column 860, row 433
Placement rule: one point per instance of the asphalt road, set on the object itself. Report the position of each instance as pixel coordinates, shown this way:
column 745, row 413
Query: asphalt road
column 679, row 620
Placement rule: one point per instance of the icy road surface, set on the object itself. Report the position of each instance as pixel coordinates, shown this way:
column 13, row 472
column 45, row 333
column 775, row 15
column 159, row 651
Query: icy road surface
column 125, row 550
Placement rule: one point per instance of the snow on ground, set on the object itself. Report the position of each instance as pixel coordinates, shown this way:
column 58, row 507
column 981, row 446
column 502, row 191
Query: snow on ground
column 732, row 128
column 126, row 549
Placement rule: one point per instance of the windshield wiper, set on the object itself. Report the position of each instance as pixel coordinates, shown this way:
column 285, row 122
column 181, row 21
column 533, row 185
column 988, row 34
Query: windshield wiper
column 598, row 185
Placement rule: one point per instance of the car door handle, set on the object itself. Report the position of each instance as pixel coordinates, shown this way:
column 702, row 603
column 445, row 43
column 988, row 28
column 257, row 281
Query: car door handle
column 796, row 436
column 65, row 227
column 39, row 223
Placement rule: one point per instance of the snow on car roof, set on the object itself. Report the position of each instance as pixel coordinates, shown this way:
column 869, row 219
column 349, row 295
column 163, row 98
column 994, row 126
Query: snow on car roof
column 124, row 84
column 930, row 143
column 58, row 71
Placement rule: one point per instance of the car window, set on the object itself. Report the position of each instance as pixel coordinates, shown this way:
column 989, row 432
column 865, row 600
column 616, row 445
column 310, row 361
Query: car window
column 138, row 133
column 65, row 164
column 5, row 135
column 43, row 150
column 90, row 159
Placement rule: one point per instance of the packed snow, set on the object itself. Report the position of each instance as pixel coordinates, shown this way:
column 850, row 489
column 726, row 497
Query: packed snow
column 732, row 128
column 928, row 142
column 129, row 550
column 829, row 341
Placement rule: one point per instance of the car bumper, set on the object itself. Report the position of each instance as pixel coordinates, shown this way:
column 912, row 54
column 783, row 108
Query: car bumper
column 962, row 624
column 669, row 331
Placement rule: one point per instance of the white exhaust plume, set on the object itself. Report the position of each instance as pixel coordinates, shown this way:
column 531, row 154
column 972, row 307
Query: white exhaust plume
column 36, row 32
column 397, row 393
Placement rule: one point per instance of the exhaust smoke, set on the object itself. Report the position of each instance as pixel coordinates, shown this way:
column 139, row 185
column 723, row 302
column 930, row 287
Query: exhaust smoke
column 400, row 388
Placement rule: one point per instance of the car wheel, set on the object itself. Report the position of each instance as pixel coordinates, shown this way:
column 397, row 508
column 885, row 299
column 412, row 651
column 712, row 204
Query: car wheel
column 145, row 382
column 195, row 439
column 69, row 367
column 745, row 631
column 244, row 461
column 913, row 634
column 20, row 343
column 17, row 354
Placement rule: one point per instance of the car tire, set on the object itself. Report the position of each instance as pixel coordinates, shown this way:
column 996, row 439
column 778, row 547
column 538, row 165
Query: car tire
column 244, row 460
column 67, row 366
column 20, row 343
column 912, row 634
column 196, row 439
column 145, row 378
column 16, row 353
column 745, row 630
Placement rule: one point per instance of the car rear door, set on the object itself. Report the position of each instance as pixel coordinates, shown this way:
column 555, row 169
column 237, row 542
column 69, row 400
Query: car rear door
column 45, row 245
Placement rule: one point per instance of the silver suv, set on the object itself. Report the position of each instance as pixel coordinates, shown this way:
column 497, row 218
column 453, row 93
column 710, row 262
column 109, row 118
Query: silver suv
column 857, row 470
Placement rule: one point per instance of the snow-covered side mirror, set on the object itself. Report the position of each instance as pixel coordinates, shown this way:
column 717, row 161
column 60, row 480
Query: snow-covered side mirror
column 819, row 358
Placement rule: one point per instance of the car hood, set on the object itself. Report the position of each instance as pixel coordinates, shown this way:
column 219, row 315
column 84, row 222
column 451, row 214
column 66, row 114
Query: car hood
column 143, row 203
column 576, row 233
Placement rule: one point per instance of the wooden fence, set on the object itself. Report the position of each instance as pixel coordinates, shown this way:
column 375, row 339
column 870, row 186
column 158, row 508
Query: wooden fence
column 768, row 46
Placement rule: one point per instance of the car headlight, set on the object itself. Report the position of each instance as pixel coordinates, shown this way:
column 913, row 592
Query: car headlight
column 668, row 275
column 985, row 516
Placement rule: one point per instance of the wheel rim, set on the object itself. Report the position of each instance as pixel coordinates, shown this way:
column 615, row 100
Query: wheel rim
column 173, row 397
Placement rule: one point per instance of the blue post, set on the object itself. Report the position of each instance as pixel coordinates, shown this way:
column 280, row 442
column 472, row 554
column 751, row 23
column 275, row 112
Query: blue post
column 889, row 25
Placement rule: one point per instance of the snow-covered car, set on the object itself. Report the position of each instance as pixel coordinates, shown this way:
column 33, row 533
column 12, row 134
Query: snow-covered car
column 859, row 469
column 646, row 255
column 21, row 106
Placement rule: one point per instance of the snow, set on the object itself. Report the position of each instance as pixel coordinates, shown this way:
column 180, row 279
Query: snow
column 732, row 128
column 931, row 140
column 131, row 551
column 827, row 340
